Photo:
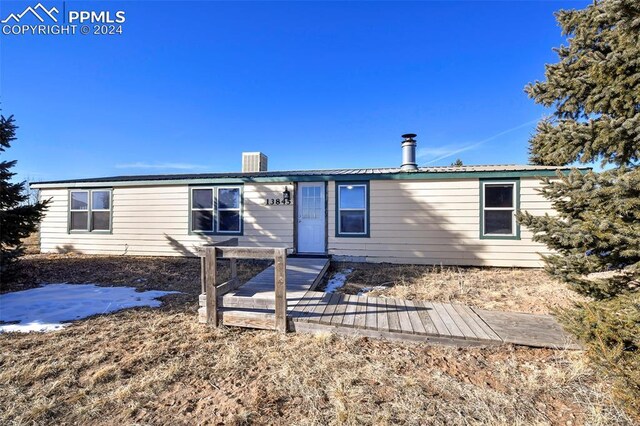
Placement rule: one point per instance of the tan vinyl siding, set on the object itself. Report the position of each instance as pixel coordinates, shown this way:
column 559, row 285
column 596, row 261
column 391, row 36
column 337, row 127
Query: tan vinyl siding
column 422, row 221
column 436, row 222
column 154, row 220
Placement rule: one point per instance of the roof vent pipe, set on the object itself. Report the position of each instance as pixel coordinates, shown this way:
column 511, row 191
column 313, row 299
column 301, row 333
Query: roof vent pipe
column 409, row 153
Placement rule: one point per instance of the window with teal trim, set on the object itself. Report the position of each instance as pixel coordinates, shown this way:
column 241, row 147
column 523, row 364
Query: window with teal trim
column 216, row 210
column 352, row 209
column 499, row 209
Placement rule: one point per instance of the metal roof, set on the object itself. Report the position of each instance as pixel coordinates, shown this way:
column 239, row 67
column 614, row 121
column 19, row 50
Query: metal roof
column 302, row 173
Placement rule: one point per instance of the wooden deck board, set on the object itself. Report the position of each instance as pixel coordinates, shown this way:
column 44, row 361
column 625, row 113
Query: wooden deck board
column 427, row 322
column 350, row 311
column 437, row 321
column 454, row 330
column 338, row 315
column 416, row 322
column 317, row 306
column 403, row 315
column 475, row 323
column 382, row 317
column 528, row 329
column 460, row 322
column 371, row 321
column 308, row 308
column 330, row 309
column 298, row 310
column 392, row 314
column 361, row 312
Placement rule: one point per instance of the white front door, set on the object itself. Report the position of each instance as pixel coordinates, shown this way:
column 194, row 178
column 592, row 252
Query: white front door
column 311, row 217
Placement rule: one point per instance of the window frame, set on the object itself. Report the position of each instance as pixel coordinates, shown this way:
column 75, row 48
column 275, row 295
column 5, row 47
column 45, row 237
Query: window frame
column 89, row 211
column 192, row 209
column 367, row 210
column 515, row 234
column 214, row 210
column 236, row 209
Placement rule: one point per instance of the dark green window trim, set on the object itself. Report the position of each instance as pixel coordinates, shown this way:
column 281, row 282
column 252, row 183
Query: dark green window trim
column 367, row 215
column 89, row 210
column 214, row 189
column 516, row 185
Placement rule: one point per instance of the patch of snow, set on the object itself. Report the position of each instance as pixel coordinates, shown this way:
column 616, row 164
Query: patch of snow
column 45, row 308
column 337, row 281
column 365, row 290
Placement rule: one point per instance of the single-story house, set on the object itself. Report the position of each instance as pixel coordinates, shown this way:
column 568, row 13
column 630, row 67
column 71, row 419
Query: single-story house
column 409, row 214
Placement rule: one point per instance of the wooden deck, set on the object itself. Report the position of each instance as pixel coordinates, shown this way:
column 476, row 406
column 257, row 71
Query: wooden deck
column 429, row 322
column 253, row 305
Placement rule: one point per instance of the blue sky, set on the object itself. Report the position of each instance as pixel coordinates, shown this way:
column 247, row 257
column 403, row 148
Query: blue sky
column 188, row 86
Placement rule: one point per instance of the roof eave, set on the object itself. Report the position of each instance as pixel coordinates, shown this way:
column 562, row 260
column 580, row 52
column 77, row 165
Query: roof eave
column 309, row 178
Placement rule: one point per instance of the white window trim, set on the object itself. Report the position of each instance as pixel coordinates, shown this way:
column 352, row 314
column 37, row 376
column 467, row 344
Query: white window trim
column 92, row 209
column 340, row 232
column 87, row 210
column 512, row 209
column 235, row 209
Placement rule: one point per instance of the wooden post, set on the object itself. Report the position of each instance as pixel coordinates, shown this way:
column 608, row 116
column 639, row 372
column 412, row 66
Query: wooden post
column 232, row 262
column 211, row 283
column 280, row 263
column 203, row 276
column 234, row 269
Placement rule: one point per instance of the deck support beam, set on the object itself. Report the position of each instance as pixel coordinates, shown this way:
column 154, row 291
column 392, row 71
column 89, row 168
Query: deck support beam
column 210, row 260
column 280, row 262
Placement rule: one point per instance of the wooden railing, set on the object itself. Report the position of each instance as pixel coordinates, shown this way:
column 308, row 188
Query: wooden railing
column 229, row 250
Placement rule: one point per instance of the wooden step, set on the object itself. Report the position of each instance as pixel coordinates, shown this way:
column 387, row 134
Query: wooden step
column 244, row 302
column 231, row 301
column 250, row 319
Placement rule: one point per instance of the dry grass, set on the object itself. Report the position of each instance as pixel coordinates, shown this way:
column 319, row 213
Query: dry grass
column 32, row 243
column 159, row 367
column 506, row 289
column 144, row 273
column 147, row 366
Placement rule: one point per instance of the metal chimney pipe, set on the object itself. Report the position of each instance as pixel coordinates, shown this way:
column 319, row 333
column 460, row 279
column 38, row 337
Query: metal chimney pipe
column 409, row 153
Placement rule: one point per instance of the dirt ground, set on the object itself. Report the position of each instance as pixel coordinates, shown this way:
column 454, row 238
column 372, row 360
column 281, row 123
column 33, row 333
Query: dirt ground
column 159, row 366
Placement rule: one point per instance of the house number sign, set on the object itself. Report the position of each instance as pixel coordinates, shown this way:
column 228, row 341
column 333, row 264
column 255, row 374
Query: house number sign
column 284, row 201
column 276, row 202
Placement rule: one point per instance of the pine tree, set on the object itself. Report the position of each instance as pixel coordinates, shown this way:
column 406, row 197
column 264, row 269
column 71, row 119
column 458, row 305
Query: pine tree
column 457, row 163
column 18, row 218
column 594, row 90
